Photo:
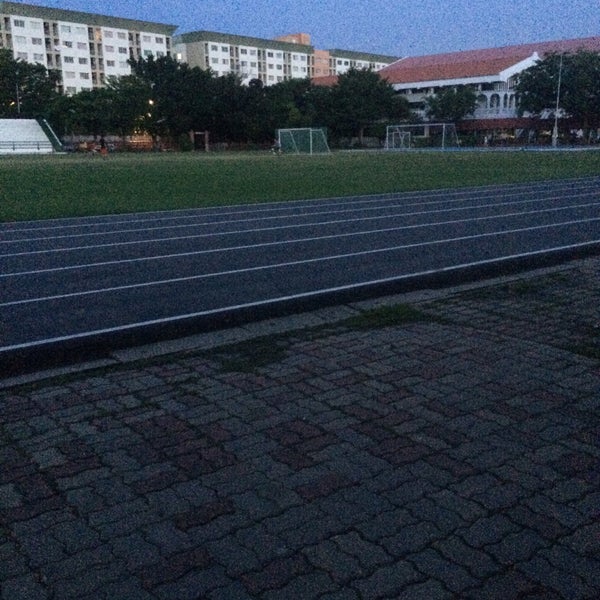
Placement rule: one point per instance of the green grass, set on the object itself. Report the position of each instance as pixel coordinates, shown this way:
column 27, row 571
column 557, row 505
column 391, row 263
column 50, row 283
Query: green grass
column 74, row 185
column 388, row 316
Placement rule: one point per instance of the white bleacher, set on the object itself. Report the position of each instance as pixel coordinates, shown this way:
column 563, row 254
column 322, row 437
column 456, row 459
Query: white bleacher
column 23, row 136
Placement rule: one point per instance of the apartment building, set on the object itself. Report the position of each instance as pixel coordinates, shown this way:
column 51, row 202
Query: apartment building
column 271, row 61
column 84, row 48
column 341, row 61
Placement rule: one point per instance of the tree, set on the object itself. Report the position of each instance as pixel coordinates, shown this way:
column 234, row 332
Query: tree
column 451, row 104
column 26, row 90
column 182, row 98
column 361, row 98
column 129, row 103
column 579, row 74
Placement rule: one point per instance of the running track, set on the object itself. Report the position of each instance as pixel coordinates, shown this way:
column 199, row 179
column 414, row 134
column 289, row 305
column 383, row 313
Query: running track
column 74, row 285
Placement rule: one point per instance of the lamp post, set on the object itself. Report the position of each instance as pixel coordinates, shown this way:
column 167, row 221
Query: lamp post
column 555, row 130
column 18, row 92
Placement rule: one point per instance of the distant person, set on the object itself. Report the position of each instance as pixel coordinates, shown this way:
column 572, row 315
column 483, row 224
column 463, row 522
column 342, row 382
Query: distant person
column 276, row 147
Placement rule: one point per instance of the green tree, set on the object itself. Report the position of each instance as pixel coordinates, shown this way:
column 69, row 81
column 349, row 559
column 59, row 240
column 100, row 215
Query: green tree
column 361, row 98
column 26, row 89
column 181, row 98
column 128, row 103
column 452, row 104
column 579, row 74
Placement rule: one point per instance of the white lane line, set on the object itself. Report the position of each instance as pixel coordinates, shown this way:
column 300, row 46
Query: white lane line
column 290, row 242
column 259, row 207
column 280, row 299
column 294, row 263
column 278, row 227
column 403, row 205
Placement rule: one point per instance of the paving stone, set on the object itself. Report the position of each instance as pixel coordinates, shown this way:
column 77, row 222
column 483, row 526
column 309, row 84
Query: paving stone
column 340, row 566
column 24, row 588
column 368, row 554
column 387, row 581
column 429, row 590
column 488, row 530
column 174, row 567
column 478, row 562
column 411, row 538
column 9, row 496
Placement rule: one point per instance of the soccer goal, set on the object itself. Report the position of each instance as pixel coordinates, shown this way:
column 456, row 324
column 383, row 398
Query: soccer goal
column 422, row 135
column 306, row 140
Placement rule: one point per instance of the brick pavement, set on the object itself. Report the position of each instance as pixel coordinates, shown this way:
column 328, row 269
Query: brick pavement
column 454, row 455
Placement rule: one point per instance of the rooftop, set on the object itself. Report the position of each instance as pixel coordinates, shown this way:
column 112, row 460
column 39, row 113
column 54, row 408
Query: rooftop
column 477, row 63
column 72, row 16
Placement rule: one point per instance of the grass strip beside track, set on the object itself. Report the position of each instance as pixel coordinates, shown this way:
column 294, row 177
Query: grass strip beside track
column 44, row 187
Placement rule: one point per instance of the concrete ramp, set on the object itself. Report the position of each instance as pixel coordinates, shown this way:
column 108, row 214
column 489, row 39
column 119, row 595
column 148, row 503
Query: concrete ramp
column 23, row 136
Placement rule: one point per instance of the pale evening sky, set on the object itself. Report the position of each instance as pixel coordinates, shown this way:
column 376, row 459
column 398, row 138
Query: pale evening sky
column 397, row 28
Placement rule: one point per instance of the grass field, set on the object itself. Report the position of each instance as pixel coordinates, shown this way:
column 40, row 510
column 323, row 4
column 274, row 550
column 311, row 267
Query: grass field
column 74, row 185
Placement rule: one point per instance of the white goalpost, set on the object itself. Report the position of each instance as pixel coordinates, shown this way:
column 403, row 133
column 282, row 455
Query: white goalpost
column 421, row 135
column 303, row 140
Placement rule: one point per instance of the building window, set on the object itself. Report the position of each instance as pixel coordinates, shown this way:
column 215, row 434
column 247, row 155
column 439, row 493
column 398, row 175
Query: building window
column 21, row 39
column 81, row 46
column 68, row 60
column 19, row 23
column 122, row 50
column 68, row 44
column 121, row 35
column 214, row 47
column 65, row 29
column 84, row 75
column 83, row 61
column 109, row 48
column 159, row 40
column 110, row 63
column 108, row 34
column 38, row 58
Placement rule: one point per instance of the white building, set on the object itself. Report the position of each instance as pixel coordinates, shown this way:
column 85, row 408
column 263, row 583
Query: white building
column 271, row 61
column 84, row 48
column 491, row 72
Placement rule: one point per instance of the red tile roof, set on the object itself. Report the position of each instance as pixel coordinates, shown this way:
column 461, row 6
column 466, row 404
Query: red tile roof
column 476, row 63
column 325, row 80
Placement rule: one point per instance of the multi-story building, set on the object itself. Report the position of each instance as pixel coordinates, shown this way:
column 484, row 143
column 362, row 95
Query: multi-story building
column 341, row 61
column 84, row 48
column 492, row 73
column 272, row 61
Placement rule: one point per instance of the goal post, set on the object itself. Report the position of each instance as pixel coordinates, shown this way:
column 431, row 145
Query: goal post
column 421, row 135
column 304, row 140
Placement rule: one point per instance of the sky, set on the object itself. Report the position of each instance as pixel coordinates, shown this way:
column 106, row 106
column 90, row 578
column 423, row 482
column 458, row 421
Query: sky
column 389, row 27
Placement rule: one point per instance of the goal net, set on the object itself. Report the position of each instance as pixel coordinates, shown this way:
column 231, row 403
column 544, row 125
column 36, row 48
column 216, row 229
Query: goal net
column 303, row 141
column 422, row 135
